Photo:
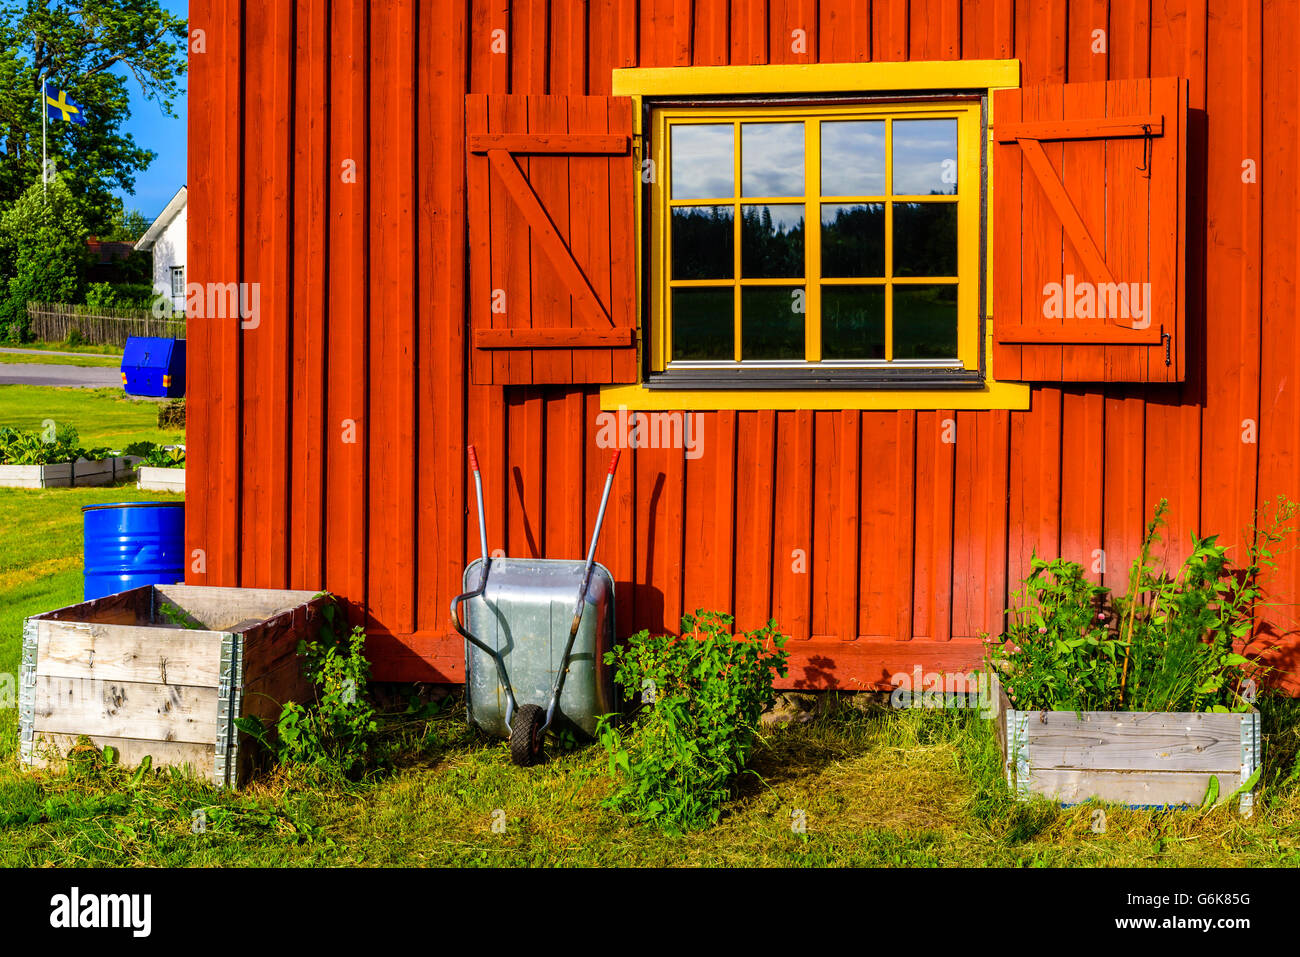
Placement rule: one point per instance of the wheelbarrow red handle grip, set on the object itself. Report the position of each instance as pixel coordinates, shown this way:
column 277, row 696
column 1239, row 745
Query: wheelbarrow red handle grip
column 613, row 462
column 473, row 459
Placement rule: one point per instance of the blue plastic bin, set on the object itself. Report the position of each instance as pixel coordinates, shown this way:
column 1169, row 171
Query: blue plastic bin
column 128, row 544
column 154, row 366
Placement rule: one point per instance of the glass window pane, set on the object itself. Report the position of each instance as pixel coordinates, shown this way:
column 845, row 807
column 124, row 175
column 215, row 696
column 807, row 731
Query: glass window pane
column 771, row 159
column 925, row 157
column 853, row 240
column 853, row 158
column 771, row 242
column 925, row 322
column 771, row 322
column 853, row 322
column 703, row 242
column 702, row 161
column 704, row 324
column 925, row 239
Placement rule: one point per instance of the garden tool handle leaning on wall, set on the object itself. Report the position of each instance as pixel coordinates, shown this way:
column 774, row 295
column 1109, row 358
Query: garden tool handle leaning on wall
column 582, row 594
column 482, row 586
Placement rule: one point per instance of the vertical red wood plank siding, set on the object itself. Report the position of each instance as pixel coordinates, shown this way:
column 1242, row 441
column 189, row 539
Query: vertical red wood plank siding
column 1125, row 503
column 1228, row 449
column 440, row 376
column 347, row 427
column 309, row 442
column 268, row 184
column 1173, row 451
column 489, row 57
column 212, row 511
column 763, row 476
column 982, row 466
column 1083, row 419
column 613, row 36
column 327, row 164
column 391, row 165
column 1279, row 452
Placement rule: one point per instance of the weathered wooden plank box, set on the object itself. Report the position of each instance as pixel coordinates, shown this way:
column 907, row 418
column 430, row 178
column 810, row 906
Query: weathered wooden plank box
column 1138, row 758
column 164, row 670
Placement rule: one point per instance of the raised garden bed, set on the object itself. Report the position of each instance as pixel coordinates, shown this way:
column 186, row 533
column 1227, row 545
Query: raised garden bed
column 163, row 670
column 153, row 479
column 1139, row 758
column 67, row 474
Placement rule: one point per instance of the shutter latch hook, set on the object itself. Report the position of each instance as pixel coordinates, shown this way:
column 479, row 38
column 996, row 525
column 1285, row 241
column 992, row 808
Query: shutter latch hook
column 1146, row 149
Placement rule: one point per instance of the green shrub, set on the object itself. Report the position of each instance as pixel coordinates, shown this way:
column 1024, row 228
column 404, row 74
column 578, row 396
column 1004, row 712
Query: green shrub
column 133, row 295
column 1171, row 644
column 677, row 762
column 99, row 294
column 337, row 732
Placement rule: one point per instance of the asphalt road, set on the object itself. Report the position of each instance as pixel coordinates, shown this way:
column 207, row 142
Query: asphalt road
column 88, row 377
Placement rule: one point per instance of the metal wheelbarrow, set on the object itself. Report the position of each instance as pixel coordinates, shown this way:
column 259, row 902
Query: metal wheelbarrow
column 536, row 631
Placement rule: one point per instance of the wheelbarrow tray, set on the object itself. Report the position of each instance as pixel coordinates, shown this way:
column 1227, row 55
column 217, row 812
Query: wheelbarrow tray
column 525, row 615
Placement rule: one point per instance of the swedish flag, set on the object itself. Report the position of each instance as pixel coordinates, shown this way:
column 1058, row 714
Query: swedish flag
column 59, row 107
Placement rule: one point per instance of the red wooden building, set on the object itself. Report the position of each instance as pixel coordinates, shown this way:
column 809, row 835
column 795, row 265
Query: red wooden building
column 940, row 282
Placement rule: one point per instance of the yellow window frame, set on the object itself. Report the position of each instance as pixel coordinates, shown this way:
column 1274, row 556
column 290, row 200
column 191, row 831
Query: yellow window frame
column 967, row 201
column 860, row 79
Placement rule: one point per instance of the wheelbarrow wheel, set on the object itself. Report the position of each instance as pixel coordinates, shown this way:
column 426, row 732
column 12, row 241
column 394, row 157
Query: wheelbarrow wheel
column 526, row 735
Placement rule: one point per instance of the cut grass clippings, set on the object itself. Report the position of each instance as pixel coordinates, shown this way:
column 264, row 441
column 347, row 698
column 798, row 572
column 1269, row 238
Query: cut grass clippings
column 876, row 788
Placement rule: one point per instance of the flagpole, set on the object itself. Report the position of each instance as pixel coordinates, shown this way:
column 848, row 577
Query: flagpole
column 45, row 189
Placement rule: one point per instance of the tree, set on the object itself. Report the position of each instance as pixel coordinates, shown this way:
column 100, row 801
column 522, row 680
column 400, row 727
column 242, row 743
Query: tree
column 126, row 224
column 42, row 253
column 93, row 49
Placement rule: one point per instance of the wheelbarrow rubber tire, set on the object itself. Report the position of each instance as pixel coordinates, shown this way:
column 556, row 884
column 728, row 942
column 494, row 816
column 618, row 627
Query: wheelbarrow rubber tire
column 526, row 735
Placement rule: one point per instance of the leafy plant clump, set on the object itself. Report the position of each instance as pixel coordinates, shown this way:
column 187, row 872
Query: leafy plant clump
column 337, row 732
column 154, row 455
column 677, row 762
column 1172, row 643
column 44, row 446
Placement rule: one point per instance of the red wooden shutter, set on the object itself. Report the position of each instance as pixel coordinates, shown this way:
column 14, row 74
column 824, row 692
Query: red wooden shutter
column 552, row 245
column 1089, row 223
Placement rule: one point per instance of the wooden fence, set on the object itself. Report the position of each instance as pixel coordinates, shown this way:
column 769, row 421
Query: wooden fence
column 100, row 325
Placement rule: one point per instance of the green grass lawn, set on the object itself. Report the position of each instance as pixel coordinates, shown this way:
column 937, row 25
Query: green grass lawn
column 85, row 361
column 102, row 417
column 86, row 348
column 876, row 788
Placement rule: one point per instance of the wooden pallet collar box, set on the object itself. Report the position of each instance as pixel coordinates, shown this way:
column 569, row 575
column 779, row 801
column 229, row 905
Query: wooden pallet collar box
column 1138, row 758
column 122, row 671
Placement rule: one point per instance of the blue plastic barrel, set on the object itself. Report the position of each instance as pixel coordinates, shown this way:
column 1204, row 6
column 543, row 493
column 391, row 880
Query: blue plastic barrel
column 129, row 544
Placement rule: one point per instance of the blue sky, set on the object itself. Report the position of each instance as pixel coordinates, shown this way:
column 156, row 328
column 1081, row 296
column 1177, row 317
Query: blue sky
column 163, row 134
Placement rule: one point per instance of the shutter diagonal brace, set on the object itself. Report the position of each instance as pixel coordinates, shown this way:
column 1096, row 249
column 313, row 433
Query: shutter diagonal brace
column 548, row 237
column 1029, row 136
